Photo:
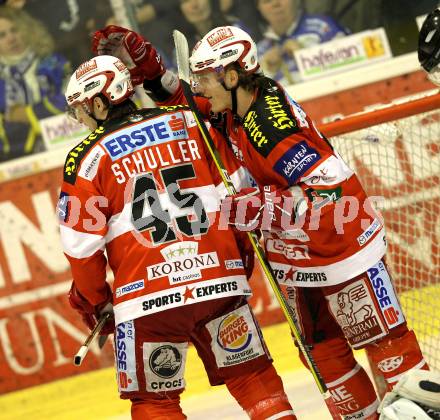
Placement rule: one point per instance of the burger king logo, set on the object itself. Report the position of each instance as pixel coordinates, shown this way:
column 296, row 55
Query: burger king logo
column 233, row 333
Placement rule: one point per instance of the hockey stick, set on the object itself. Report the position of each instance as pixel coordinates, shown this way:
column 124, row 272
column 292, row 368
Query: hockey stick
column 79, row 357
column 182, row 56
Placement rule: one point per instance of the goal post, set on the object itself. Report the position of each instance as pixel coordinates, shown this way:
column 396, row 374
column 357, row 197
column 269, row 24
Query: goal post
column 396, row 153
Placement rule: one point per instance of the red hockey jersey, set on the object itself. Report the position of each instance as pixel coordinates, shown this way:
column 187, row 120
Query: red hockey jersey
column 143, row 191
column 341, row 235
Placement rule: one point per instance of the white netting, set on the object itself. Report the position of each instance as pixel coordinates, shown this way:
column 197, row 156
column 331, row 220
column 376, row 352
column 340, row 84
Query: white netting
column 400, row 161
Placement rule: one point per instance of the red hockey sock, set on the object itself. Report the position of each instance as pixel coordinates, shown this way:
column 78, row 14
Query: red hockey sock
column 354, row 395
column 157, row 409
column 394, row 356
column 348, row 383
column 261, row 394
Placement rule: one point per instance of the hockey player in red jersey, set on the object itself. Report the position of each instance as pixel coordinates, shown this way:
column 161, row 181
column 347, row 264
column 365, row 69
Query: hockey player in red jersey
column 139, row 193
column 325, row 242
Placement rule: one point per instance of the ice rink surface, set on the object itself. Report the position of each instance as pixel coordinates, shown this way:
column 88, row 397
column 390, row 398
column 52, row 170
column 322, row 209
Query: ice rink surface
column 219, row 405
column 93, row 395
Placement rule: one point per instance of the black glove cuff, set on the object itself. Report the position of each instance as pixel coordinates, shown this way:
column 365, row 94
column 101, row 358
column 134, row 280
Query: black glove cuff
column 155, row 90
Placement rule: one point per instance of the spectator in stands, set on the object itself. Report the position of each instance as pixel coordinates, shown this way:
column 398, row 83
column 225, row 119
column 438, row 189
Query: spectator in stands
column 398, row 17
column 69, row 22
column 357, row 15
column 156, row 20
column 400, row 22
column 31, row 82
column 245, row 12
column 200, row 16
column 289, row 28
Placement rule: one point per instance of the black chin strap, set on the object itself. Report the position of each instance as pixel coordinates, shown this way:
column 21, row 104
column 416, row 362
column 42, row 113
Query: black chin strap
column 98, row 122
column 233, row 96
column 234, row 100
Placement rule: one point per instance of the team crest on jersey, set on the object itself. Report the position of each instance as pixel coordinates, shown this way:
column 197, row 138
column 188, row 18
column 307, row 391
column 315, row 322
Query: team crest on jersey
column 183, row 263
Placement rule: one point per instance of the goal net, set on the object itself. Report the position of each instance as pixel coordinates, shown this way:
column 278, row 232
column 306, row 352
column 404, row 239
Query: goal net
column 396, row 153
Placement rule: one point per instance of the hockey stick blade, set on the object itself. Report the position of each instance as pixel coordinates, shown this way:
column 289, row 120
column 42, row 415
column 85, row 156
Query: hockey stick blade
column 102, row 340
column 82, row 352
column 182, row 55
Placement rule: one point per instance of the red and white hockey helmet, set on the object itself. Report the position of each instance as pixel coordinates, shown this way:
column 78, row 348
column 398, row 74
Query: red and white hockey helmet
column 103, row 74
column 222, row 46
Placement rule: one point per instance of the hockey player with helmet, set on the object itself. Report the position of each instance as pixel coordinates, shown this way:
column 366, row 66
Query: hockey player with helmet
column 331, row 261
column 429, row 46
column 141, row 189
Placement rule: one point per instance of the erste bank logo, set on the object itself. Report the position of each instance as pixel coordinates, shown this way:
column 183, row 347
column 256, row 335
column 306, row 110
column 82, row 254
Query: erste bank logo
column 148, row 133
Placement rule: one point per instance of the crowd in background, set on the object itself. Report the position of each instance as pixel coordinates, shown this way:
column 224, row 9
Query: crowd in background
column 42, row 40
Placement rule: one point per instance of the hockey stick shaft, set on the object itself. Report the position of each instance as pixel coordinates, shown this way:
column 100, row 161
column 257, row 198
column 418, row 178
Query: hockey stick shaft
column 82, row 352
column 182, row 53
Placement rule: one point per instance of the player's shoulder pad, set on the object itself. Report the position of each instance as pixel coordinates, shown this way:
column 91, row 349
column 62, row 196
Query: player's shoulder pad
column 269, row 120
column 170, row 108
column 76, row 155
column 142, row 114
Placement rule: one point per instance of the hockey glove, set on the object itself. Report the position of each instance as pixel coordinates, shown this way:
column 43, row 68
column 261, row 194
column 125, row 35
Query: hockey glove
column 415, row 396
column 139, row 55
column 270, row 209
column 90, row 313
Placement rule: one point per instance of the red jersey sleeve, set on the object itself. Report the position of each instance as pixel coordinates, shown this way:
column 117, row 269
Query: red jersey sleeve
column 82, row 212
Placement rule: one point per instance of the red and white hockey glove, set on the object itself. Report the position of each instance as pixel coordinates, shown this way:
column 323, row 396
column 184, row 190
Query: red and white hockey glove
column 90, row 313
column 270, row 209
column 139, row 55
